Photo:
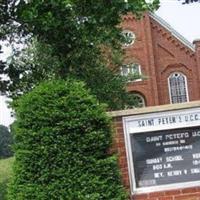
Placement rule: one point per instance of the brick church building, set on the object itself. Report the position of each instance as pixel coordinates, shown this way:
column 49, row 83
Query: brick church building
column 169, row 69
column 169, row 65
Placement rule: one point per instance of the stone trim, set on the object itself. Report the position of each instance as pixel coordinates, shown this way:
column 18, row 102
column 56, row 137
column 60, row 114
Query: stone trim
column 168, row 107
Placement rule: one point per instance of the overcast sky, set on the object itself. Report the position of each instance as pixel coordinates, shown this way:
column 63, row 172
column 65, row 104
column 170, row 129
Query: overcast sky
column 183, row 18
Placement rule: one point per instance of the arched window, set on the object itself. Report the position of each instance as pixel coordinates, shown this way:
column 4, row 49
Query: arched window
column 137, row 100
column 132, row 69
column 178, row 90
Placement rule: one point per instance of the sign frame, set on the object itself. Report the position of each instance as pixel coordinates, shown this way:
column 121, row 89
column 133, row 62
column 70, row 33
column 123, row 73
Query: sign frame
column 129, row 127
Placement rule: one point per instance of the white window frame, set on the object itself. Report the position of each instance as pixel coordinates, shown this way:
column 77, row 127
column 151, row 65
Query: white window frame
column 143, row 103
column 142, row 99
column 186, row 87
column 129, row 71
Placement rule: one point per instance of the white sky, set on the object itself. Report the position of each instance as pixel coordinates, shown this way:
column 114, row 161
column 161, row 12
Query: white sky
column 5, row 117
column 185, row 19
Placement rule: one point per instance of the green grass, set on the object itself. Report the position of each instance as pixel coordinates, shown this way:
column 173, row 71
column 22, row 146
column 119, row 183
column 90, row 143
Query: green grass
column 5, row 175
column 5, row 168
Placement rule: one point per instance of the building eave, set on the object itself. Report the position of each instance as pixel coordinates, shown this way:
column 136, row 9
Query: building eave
column 174, row 33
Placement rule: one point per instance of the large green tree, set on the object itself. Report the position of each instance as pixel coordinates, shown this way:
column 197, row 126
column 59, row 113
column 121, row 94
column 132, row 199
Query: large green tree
column 80, row 38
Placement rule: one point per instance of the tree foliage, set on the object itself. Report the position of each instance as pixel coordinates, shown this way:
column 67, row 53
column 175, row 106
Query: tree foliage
column 6, row 12
column 8, row 30
column 62, row 139
column 5, row 142
column 82, row 40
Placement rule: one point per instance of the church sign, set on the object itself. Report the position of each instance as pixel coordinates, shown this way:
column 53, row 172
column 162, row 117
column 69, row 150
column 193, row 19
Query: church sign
column 163, row 150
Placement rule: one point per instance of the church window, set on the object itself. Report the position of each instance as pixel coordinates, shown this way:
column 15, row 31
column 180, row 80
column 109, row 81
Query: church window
column 133, row 69
column 138, row 101
column 129, row 38
column 178, row 90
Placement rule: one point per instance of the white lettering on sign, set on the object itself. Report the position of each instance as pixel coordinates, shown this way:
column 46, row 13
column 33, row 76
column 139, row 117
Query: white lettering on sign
column 177, row 136
column 153, row 161
column 178, row 148
column 196, row 134
column 174, row 173
column 157, row 167
column 167, row 166
column 196, row 155
column 195, row 171
column 196, row 162
column 170, row 143
column 154, row 138
column 162, row 166
column 174, row 158
column 158, row 175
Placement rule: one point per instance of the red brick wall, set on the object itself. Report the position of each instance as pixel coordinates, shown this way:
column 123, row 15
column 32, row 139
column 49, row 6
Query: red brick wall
column 181, row 194
column 160, row 54
column 142, row 52
column 120, row 150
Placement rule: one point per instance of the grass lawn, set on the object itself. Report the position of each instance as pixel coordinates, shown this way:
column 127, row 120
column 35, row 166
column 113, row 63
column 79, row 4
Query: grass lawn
column 5, row 174
column 5, row 168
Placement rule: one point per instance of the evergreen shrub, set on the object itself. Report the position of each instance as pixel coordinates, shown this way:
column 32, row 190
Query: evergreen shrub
column 62, row 138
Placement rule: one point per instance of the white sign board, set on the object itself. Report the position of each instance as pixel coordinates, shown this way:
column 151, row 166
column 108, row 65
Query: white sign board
column 163, row 150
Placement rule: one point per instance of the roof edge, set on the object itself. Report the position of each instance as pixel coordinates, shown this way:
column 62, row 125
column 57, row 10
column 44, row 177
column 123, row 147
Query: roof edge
column 172, row 31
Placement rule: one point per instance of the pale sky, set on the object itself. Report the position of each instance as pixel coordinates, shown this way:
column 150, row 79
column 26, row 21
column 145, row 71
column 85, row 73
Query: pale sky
column 185, row 19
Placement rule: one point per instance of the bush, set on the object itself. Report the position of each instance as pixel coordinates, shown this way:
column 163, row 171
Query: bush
column 5, row 142
column 62, row 137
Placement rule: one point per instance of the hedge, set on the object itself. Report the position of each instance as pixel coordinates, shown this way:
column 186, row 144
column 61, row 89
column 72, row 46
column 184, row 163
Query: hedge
column 62, row 138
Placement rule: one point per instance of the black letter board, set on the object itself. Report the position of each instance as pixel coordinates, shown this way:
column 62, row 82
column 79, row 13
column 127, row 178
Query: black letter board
column 166, row 157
